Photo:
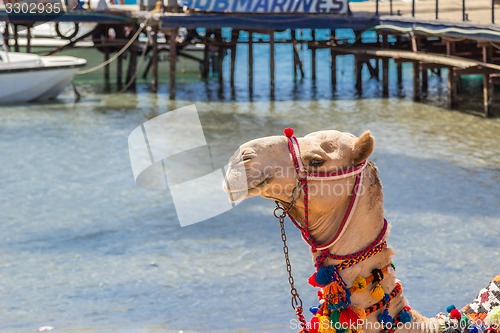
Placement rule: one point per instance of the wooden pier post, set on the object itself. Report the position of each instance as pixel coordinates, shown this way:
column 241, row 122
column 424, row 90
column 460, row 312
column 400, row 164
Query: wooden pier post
column 119, row 70
column 385, row 69
column 28, row 39
column 205, row 65
column 333, row 61
column 385, row 77
column 132, row 68
column 173, row 62
column 425, row 79
column 313, row 55
column 358, row 65
column 452, row 88
column 154, row 70
column 271, row 44
column 106, row 70
column 16, row 38
column 488, row 86
column 488, row 92
column 416, row 81
column 234, row 43
column 294, row 45
column 250, row 62
column 297, row 61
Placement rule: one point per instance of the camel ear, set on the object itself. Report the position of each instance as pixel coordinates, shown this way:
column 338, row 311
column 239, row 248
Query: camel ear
column 363, row 147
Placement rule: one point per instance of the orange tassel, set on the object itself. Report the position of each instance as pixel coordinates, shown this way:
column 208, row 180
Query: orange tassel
column 333, row 288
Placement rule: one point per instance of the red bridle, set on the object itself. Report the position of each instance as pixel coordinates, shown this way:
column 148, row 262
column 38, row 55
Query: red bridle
column 303, row 175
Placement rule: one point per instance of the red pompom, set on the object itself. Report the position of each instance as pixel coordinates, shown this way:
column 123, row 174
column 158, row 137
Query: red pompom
column 314, row 325
column 407, row 308
column 320, row 294
column 288, row 132
column 455, row 314
column 348, row 317
column 312, row 281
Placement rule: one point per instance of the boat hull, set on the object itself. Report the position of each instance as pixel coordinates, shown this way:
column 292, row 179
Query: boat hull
column 44, row 82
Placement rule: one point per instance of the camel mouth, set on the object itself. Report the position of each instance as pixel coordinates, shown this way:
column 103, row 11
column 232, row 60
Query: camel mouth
column 237, row 192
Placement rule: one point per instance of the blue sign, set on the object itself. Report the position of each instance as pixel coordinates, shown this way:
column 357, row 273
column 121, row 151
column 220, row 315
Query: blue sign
column 269, row 6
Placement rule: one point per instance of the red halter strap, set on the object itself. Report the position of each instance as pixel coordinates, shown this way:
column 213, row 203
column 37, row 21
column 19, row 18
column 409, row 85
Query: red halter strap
column 303, row 175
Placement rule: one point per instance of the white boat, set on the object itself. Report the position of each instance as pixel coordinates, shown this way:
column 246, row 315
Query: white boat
column 26, row 77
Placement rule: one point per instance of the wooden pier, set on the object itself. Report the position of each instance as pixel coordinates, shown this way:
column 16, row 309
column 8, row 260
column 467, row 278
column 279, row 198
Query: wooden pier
column 458, row 36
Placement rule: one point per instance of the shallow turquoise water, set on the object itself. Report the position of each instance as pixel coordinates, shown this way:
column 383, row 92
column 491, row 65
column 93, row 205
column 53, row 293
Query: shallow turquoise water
column 85, row 249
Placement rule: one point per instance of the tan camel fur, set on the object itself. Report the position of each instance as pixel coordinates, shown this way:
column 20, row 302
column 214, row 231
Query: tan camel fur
column 264, row 167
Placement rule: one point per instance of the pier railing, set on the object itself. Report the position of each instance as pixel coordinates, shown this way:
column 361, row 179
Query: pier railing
column 476, row 11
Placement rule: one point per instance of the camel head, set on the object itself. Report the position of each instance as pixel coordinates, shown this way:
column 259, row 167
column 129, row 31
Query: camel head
column 264, row 166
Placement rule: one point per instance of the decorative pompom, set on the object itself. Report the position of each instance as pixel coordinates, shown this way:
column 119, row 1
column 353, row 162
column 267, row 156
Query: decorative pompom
column 335, row 318
column 359, row 311
column 473, row 329
column 377, row 292
column 493, row 318
column 455, row 314
column 407, row 308
column 314, row 325
column 320, row 294
column 324, row 275
column 405, row 316
column 450, row 307
column 325, row 326
column 349, row 317
column 314, row 309
column 385, row 317
column 359, row 284
column 288, row 132
column 386, row 298
column 312, row 281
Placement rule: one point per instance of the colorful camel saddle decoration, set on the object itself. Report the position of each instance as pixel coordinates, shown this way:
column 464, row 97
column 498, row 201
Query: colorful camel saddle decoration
column 481, row 315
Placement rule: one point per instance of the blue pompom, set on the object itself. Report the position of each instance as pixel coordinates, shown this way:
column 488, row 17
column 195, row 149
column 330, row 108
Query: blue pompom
column 314, row 309
column 384, row 317
column 450, row 307
column 324, row 275
column 386, row 298
column 405, row 317
column 473, row 329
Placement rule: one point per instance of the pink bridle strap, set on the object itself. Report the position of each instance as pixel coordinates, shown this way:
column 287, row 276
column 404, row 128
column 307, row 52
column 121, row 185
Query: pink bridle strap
column 357, row 170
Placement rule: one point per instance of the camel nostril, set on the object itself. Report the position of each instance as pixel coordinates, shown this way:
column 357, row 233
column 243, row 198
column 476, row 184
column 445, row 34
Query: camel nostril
column 246, row 158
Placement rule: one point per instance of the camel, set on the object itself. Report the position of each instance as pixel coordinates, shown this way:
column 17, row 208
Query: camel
column 333, row 194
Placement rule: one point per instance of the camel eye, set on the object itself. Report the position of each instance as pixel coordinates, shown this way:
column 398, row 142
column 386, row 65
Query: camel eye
column 316, row 162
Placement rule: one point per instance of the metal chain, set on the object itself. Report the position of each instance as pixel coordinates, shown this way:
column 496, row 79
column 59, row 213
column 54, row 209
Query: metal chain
column 280, row 214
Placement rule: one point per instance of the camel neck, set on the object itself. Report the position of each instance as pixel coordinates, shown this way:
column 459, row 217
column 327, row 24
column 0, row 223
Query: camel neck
column 367, row 223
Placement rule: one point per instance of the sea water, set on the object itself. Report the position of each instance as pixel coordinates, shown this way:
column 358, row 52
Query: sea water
column 85, row 250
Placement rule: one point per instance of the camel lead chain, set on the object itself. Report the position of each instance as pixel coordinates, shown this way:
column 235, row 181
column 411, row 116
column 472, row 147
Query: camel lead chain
column 296, row 300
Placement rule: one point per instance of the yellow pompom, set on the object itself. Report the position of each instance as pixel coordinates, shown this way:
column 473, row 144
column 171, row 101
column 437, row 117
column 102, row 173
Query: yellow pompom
column 493, row 318
column 359, row 284
column 359, row 311
column 377, row 292
column 325, row 325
